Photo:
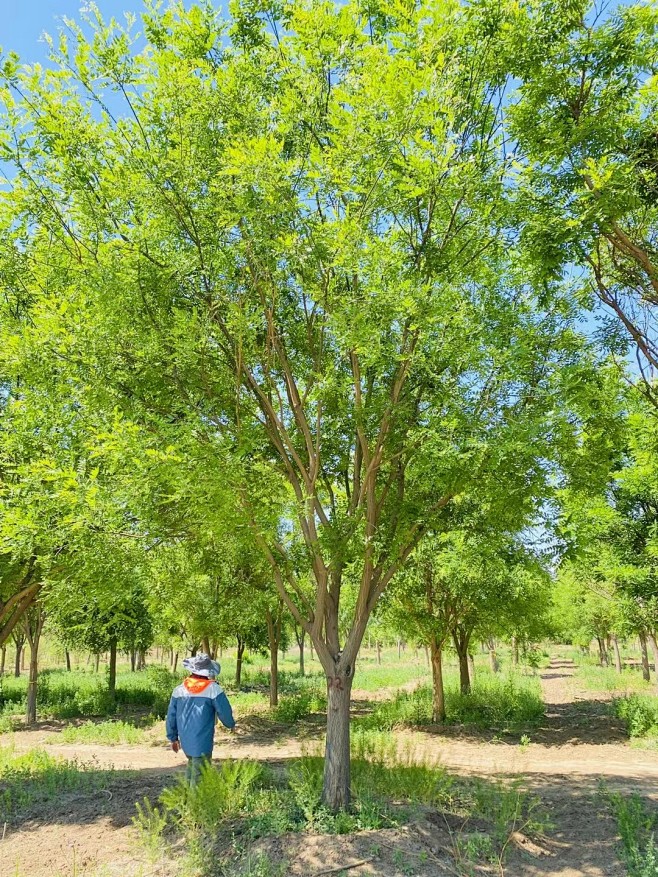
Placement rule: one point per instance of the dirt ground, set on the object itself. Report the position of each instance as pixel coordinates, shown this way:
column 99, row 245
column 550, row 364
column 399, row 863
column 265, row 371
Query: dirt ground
column 578, row 746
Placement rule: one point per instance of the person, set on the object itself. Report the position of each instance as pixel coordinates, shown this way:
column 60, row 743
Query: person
column 193, row 709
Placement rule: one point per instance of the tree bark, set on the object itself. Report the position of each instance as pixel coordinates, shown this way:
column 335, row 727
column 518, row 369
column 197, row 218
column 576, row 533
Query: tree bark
column 112, row 681
column 336, row 786
column 3, row 660
column 133, row 660
column 646, row 674
column 603, row 655
column 438, row 693
column 206, row 645
column 67, row 655
column 19, row 642
column 379, row 652
column 274, row 636
column 471, row 668
column 33, row 626
column 493, row 657
column 461, row 639
column 97, row 662
column 301, row 655
column 175, row 664
column 238, row 663
column 654, row 649
column 615, row 646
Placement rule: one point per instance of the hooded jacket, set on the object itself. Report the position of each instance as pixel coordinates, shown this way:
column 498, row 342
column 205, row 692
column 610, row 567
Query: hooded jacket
column 192, row 713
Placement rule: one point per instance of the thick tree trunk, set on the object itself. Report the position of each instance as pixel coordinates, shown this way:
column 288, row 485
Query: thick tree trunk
column 141, row 659
column 615, row 646
column 336, row 787
column 67, row 655
column 471, row 668
column 493, row 657
column 3, row 660
column 112, row 681
column 301, row 656
column 205, row 644
column 438, row 693
column 133, row 660
column 238, row 664
column 646, row 674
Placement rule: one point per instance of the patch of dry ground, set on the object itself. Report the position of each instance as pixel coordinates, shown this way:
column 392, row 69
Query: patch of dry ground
column 577, row 746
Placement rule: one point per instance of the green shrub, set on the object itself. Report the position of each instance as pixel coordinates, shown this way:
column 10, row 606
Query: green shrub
column 637, row 831
column 640, row 714
column 495, row 701
column 299, row 706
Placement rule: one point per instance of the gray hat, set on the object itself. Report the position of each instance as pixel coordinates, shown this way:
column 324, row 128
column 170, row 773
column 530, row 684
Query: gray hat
column 202, row 665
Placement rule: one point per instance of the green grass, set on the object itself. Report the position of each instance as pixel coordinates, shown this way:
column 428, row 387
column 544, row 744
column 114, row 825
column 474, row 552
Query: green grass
column 595, row 678
column 239, row 802
column 497, row 701
column 35, row 778
column 637, row 828
column 108, row 733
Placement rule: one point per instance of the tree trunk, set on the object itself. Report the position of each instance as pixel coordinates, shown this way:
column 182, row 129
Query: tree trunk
column 654, row 649
column 33, row 625
column 112, row 681
column 19, row 642
column 603, row 655
column 399, row 649
column 460, row 639
column 133, row 660
column 3, row 660
column 175, row 664
column 206, row 645
column 141, row 659
column 67, row 655
column 615, row 646
column 97, row 662
column 336, row 786
column 493, row 657
column 238, row 664
column 301, row 655
column 438, row 694
column 379, row 652
column 274, row 635
column 646, row 674
column 471, row 668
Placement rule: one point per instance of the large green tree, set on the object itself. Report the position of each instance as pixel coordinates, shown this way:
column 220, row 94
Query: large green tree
column 286, row 236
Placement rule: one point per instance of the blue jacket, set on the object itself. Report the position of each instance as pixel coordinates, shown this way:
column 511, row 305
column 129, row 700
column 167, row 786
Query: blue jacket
column 191, row 716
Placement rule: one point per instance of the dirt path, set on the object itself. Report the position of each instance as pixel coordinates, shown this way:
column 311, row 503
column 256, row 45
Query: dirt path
column 576, row 747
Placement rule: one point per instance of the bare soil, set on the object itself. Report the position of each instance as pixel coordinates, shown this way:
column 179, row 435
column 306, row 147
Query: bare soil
column 577, row 747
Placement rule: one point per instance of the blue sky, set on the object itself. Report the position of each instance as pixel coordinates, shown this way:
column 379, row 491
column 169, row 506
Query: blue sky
column 23, row 21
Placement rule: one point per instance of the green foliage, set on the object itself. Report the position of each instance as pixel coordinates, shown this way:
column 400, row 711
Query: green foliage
column 637, row 830
column 291, row 709
column 106, row 733
column 64, row 694
column 640, row 714
column 36, row 777
column 495, row 702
